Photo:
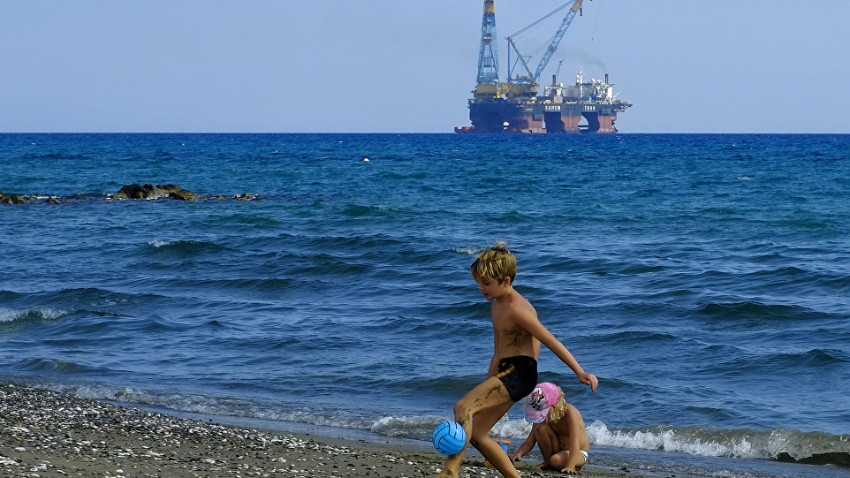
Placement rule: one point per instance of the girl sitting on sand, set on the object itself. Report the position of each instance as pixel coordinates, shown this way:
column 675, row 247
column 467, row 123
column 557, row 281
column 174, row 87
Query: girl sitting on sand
column 558, row 430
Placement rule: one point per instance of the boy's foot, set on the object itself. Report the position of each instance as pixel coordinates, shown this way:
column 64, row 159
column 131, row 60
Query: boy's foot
column 447, row 474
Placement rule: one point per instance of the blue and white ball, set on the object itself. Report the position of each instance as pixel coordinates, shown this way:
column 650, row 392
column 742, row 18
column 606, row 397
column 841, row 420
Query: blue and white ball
column 449, row 437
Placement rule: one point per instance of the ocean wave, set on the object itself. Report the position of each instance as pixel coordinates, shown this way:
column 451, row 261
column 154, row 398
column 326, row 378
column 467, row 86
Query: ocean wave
column 406, row 427
column 817, row 357
column 779, row 444
column 512, row 217
column 329, row 267
column 344, row 247
column 358, row 210
column 243, row 221
column 72, row 314
column 751, row 309
column 636, row 337
column 260, row 285
column 792, row 278
column 56, row 155
column 467, row 250
column 53, row 366
column 185, row 247
column 88, row 297
column 770, row 444
column 222, row 406
column 33, row 314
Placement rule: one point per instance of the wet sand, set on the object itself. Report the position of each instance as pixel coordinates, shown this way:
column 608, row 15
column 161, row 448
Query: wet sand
column 48, row 434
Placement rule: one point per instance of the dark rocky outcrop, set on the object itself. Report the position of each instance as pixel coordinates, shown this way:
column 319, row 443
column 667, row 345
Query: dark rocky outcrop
column 130, row 191
column 15, row 198
column 830, row 458
column 149, row 191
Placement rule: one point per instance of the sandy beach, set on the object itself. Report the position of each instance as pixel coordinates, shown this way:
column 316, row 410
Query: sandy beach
column 50, row 434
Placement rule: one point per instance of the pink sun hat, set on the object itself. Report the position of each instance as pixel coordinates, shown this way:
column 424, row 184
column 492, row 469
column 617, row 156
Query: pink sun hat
column 540, row 401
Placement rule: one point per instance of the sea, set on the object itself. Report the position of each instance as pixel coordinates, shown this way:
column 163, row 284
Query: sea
column 321, row 282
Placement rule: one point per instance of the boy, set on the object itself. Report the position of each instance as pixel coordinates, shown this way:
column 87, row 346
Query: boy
column 517, row 335
column 558, row 430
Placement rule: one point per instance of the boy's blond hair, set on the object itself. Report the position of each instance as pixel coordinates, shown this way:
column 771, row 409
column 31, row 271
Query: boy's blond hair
column 495, row 263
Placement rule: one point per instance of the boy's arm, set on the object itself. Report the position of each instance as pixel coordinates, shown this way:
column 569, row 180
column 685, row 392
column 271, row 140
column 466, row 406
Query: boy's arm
column 494, row 367
column 527, row 445
column 494, row 362
column 529, row 321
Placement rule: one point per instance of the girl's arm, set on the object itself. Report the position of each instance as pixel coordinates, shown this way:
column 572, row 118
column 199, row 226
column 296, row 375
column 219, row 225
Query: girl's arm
column 527, row 445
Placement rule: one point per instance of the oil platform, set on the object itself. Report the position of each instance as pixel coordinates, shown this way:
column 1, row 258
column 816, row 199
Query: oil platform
column 518, row 105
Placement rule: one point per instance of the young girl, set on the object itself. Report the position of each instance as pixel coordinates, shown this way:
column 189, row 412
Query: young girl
column 558, row 430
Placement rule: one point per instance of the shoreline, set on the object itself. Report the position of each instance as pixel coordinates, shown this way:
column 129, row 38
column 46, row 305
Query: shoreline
column 51, row 434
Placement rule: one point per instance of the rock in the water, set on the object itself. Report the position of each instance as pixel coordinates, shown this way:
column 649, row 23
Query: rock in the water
column 183, row 195
column 14, row 199
column 130, row 191
column 149, row 191
column 18, row 198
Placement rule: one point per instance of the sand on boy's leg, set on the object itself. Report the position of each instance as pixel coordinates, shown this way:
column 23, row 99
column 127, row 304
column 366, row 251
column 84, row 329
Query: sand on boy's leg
column 477, row 412
column 491, row 450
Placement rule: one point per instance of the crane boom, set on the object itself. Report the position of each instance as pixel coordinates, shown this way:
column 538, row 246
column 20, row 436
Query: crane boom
column 521, row 59
column 553, row 45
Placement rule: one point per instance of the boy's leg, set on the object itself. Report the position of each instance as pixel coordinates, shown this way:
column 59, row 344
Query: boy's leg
column 490, row 393
column 492, row 451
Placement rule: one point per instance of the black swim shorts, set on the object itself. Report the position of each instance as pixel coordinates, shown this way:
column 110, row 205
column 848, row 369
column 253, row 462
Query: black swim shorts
column 519, row 375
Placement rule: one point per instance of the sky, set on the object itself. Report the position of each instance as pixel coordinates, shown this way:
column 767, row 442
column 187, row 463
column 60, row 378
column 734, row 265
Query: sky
column 402, row 66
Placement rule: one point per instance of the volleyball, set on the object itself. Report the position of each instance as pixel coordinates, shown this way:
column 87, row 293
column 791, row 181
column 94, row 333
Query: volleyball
column 449, row 437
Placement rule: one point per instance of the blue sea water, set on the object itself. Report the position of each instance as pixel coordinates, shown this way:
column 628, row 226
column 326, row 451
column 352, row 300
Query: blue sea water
column 704, row 278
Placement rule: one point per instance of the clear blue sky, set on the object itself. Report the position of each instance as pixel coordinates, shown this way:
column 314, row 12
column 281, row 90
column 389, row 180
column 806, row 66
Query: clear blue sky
column 748, row 66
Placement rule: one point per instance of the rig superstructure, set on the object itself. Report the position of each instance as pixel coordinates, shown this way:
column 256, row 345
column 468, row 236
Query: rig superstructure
column 518, row 105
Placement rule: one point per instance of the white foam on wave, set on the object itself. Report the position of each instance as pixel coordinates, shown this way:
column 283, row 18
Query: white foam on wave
column 701, row 442
column 696, row 441
column 420, row 427
column 157, row 243
column 516, row 429
column 213, row 406
column 8, row 315
column 403, row 426
column 42, row 313
column 468, row 251
column 101, row 392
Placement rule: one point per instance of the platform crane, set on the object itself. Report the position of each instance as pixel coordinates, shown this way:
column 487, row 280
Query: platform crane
column 527, row 84
column 488, row 85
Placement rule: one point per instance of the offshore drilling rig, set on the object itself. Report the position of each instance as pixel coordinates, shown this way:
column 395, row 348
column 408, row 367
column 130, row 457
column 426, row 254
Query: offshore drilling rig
column 518, row 105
